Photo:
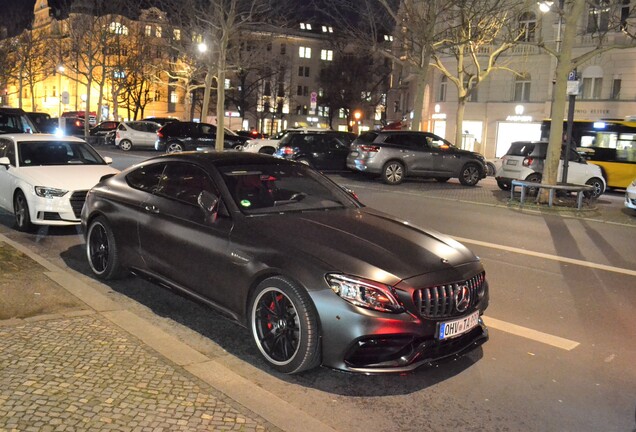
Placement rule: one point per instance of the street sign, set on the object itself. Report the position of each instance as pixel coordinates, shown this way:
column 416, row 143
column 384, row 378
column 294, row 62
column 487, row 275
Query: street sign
column 314, row 100
column 65, row 98
column 573, row 88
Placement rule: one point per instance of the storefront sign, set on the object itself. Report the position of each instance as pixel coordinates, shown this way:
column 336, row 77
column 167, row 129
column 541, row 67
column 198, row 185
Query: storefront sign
column 519, row 118
column 438, row 116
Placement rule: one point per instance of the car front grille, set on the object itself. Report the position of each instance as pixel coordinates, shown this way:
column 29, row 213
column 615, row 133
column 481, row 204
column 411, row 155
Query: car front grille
column 441, row 301
column 77, row 202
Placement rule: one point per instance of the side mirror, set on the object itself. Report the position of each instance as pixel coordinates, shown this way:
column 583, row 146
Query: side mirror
column 351, row 193
column 5, row 162
column 108, row 160
column 209, row 203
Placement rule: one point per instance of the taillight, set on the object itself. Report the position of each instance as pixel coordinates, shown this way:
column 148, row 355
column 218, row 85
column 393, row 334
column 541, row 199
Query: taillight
column 369, row 148
column 159, row 134
column 528, row 161
column 287, row 151
column 78, row 123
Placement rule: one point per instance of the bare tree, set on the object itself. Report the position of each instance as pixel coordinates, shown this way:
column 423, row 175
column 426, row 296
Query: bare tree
column 32, row 65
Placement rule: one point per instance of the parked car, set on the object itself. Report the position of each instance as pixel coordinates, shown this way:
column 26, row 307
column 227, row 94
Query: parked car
column 525, row 161
column 321, row 150
column 107, row 130
column 492, row 165
column 161, row 120
column 136, row 134
column 44, row 178
column 395, row 155
column 250, row 134
column 92, row 116
column 43, row 122
column 315, row 276
column 15, row 120
column 181, row 136
column 269, row 145
column 630, row 195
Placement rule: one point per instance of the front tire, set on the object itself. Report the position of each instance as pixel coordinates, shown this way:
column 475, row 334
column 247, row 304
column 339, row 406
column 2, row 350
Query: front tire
column 284, row 325
column 393, row 173
column 469, row 175
column 503, row 185
column 598, row 186
column 125, row 145
column 102, row 250
column 490, row 169
column 534, row 178
column 21, row 213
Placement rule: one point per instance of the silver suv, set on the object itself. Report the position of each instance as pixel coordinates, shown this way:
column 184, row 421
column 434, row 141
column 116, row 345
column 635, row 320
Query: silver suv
column 525, row 160
column 395, row 155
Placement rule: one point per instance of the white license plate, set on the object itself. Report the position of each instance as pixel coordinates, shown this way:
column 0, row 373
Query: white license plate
column 451, row 329
column 511, row 162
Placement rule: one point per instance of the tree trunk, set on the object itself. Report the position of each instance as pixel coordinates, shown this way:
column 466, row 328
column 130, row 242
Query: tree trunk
column 87, row 110
column 459, row 120
column 220, row 93
column 206, row 95
column 564, row 66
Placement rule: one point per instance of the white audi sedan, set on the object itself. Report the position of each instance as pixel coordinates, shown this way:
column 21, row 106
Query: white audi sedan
column 44, row 178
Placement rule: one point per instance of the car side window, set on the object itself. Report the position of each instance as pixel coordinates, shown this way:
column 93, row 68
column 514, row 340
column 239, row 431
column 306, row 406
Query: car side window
column 7, row 149
column 184, row 182
column 207, row 130
column 399, row 139
column 146, row 178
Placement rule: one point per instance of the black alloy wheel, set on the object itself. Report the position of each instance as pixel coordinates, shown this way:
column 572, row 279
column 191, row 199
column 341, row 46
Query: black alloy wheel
column 490, row 169
column 101, row 250
column 284, row 326
column 598, row 188
column 21, row 212
column 470, row 174
column 393, row 173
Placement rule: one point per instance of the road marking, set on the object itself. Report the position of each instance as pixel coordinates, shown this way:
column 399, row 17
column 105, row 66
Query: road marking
column 548, row 256
column 534, row 335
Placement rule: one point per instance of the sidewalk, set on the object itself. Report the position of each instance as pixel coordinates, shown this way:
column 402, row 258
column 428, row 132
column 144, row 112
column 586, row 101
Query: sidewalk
column 71, row 359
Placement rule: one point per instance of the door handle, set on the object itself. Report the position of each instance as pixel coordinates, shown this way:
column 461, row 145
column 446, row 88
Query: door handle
column 151, row 209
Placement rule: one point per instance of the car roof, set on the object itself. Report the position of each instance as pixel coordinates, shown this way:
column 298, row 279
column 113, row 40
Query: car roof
column 221, row 158
column 26, row 137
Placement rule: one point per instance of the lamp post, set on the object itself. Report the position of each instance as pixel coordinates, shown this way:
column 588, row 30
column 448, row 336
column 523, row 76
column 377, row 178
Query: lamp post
column 357, row 115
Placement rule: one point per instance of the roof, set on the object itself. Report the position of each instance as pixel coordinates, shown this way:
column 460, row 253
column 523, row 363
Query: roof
column 223, row 158
column 37, row 137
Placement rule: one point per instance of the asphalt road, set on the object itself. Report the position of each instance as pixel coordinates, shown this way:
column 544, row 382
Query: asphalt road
column 562, row 323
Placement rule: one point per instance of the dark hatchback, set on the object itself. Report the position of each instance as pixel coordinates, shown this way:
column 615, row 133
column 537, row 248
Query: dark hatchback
column 183, row 136
column 321, row 150
column 315, row 276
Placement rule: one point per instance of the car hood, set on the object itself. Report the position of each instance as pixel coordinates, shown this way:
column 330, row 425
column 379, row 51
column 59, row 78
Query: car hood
column 68, row 177
column 365, row 243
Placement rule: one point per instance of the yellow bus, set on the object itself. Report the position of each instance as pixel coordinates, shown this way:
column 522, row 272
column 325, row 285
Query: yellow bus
column 610, row 144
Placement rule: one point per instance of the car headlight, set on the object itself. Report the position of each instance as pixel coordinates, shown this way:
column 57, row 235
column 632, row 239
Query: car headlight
column 365, row 293
column 47, row 192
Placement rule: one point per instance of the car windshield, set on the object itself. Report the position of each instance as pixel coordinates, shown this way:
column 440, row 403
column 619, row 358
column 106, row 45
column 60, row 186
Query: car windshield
column 44, row 153
column 280, row 188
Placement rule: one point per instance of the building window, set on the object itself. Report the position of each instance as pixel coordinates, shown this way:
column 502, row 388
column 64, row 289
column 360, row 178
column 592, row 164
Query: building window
column 443, row 87
column 326, row 55
column 472, row 93
column 527, row 26
column 148, row 30
column 304, row 52
column 176, row 34
column 227, row 84
column 303, row 71
column 157, row 95
column 299, row 91
column 592, row 88
column 118, row 28
column 173, row 97
column 283, row 49
column 158, row 31
column 598, row 17
column 522, row 88
column 305, row 26
column 342, row 113
column 624, row 14
column 616, row 89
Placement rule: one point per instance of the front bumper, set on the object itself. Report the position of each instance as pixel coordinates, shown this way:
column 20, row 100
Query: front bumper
column 58, row 211
column 630, row 200
column 359, row 340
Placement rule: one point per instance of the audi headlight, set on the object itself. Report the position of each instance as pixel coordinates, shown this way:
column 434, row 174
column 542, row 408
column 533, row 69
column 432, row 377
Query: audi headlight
column 365, row 293
column 47, row 192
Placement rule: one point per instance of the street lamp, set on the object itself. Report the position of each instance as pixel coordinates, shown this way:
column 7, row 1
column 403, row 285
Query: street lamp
column 202, row 47
column 357, row 115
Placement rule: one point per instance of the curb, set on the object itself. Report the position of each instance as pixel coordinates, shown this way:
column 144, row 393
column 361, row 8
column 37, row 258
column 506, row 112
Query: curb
column 270, row 407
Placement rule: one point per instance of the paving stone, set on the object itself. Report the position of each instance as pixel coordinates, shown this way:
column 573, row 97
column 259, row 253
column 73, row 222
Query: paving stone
column 82, row 373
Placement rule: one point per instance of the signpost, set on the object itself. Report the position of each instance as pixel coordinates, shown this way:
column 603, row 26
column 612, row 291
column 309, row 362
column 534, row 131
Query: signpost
column 572, row 90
